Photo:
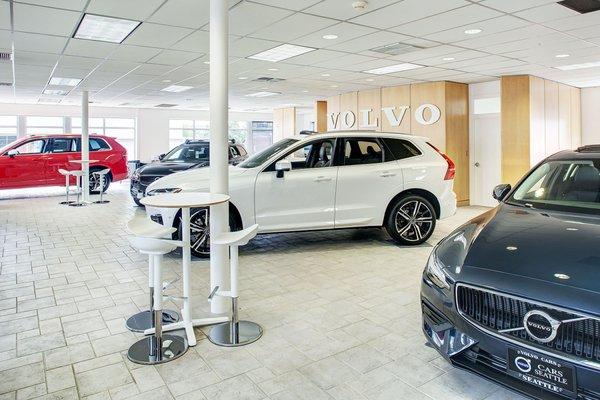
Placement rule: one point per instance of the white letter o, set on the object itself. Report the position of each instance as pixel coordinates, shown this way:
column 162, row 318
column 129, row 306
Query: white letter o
column 349, row 124
column 433, row 118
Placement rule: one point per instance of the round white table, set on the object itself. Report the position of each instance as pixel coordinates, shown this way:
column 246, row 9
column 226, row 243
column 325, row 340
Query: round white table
column 185, row 201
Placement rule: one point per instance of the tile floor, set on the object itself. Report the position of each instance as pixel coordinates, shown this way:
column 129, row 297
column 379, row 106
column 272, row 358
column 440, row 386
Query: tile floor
column 340, row 312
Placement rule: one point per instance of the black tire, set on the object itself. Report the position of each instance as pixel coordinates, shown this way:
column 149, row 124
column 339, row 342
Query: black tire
column 95, row 183
column 199, row 236
column 137, row 202
column 411, row 220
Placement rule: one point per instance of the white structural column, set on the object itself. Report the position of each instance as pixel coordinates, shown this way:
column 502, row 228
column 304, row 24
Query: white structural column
column 219, row 132
column 85, row 146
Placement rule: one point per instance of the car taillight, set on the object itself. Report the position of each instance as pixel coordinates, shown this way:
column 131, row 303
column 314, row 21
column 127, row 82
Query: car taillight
column 451, row 171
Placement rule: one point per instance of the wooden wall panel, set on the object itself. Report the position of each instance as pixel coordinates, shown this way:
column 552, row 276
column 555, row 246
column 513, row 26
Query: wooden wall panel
column 321, row 116
column 349, row 103
column 515, row 125
column 369, row 100
column 333, row 107
column 551, row 112
column 575, row 117
column 564, row 117
column 289, row 122
column 432, row 93
column 277, row 124
column 457, row 136
column 537, row 118
column 396, row 96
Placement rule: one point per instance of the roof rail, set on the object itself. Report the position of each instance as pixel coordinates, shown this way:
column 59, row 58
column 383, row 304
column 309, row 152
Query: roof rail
column 590, row 148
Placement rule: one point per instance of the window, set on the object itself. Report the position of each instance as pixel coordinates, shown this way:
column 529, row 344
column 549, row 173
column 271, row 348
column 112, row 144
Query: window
column 398, row 149
column 32, row 147
column 62, row 145
column 261, row 136
column 44, row 125
column 8, row 130
column 122, row 129
column 317, row 154
column 95, row 144
column 239, row 131
column 181, row 130
column 362, row 151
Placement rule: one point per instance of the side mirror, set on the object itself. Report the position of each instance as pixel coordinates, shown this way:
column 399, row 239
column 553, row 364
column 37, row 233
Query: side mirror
column 501, row 191
column 282, row 166
column 161, row 156
column 12, row 153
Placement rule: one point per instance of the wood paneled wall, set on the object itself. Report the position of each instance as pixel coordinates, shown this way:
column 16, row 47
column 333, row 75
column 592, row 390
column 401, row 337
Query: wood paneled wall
column 321, row 116
column 539, row 117
column 284, row 123
column 449, row 133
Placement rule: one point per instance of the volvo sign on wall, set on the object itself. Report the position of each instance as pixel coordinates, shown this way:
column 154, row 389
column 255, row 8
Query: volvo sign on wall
column 425, row 114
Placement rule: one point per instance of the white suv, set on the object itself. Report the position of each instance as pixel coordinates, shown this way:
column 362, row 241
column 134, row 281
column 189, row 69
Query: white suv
column 327, row 181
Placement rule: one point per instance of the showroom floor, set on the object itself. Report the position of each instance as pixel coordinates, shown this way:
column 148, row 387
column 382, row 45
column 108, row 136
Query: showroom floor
column 340, row 312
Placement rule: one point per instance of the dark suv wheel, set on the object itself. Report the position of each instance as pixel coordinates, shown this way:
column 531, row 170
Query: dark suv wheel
column 95, row 181
column 411, row 220
column 200, row 231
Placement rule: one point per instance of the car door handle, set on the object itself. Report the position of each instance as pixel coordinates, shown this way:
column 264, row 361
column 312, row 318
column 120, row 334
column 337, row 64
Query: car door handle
column 387, row 174
column 322, row 179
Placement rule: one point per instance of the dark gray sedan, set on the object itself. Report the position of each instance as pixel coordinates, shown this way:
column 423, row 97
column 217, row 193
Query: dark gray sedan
column 514, row 294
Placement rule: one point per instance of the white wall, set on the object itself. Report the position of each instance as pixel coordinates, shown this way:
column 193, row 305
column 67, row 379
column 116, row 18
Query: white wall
column 152, row 124
column 590, row 112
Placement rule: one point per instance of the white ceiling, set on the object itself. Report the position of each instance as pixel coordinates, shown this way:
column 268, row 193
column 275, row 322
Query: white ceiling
column 172, row 43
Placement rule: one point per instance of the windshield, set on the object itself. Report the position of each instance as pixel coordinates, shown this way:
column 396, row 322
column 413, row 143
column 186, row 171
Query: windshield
column 188, row 153
column 566, row 185
column 262, row 156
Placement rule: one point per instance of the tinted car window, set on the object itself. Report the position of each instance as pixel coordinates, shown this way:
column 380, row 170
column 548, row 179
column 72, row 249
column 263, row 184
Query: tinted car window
column 362, row 151
column 32, row 147
column 189, row 153
column 398, row 149
column 62, row 145
column 565, row 185
column 96, row 144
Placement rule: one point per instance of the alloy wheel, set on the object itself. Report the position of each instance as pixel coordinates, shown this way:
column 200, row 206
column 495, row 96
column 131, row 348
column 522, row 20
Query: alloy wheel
column 414, row 220
column 200, row 231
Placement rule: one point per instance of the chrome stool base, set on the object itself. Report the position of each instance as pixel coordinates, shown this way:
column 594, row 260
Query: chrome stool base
column 143, row 320
column 145, row 352
column 101, row 201
column 226, row 335
column 77, row 204
column 67, row 202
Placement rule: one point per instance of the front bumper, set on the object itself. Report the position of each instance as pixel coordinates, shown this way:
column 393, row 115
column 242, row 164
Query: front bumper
column 469, row 348
column 137, row 189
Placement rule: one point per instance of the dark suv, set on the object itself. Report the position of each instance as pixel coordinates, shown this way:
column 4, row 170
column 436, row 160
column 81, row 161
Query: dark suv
column 514, row 294
column 191, row 154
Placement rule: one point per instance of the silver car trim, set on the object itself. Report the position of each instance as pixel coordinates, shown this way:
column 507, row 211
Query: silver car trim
column 568, row 358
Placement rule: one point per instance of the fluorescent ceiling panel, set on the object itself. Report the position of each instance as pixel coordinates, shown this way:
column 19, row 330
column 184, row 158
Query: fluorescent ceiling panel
column 282, row 52
column 262, row 94
column 105, row 29
column 176, row 88
column 579, row 66
column 393, row 68
column 56, row 92
column 56, row 81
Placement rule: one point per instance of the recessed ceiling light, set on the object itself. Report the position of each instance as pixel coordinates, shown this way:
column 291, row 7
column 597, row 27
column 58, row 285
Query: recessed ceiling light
column 282, row 52
column 56, row 92
column 242, row 77
column 448, row 59
column 105, row 29
column 176, row 88
column 325, row 75
column 369, row 79
column 330, row 37
column 579, row 66
column 206, row 62
column 562, row 55
column 334, row 86
column 393, row 68
column 262, row 94
column 305, row 91
column 473, row 31
column 56, row 81
column 273, row 69
column 167, row 81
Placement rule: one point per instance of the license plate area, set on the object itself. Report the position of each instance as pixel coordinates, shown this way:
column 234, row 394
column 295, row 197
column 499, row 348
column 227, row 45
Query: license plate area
column 545, row 372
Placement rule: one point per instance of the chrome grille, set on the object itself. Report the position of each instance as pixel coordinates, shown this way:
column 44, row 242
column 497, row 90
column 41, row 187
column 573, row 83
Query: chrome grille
column 496, row 311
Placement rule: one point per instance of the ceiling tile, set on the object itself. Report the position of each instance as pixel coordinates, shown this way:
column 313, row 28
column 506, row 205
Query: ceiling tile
column 154, row 35
column 45, row 20
column 137, row 10
column 343, row 10
column 370, row 41
column 546, row 13
column 41, row 43
column 198, row 41
column 174, row 57
column 515, row 5
column 4, row 15
column 133, row 53
column 186, row 13
column 406, row 11
column 89, row 48
column 290, row 5
column 490, row 29
column 76, row 5
column 250, row 17
column 31, row 58
column 344, row 30
column 293, row 27
column 313, row 57
column 245, row 47
column 447, row 20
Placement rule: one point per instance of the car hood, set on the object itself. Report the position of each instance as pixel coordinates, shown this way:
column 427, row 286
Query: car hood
column 166, row 168
column 510, row 245
column 194, row 179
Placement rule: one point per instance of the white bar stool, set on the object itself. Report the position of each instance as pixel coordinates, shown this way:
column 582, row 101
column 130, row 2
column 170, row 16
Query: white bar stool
column 158, row 348
column 235, row 332
column 145, row 227
column 78, row 174
column 67, row 174
column 101, row 176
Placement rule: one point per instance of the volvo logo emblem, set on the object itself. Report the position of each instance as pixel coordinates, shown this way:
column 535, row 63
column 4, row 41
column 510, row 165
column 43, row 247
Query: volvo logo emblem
column 523, row 364
column 541, row 326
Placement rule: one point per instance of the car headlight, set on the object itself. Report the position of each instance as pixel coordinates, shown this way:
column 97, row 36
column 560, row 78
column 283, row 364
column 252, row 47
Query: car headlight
column 160, row 191
column 434, row 271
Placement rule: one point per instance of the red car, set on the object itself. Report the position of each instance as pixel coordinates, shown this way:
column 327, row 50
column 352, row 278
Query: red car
column 35, row 160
